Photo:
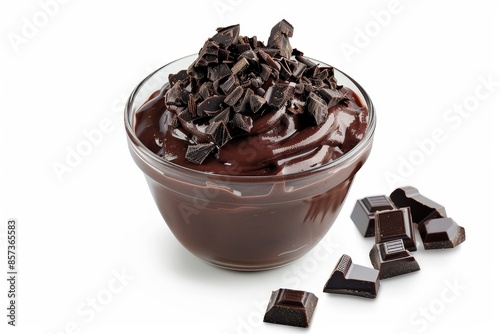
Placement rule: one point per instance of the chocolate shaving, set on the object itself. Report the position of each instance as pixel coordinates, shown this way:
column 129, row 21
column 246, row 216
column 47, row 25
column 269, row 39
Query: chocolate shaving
column 199, row 152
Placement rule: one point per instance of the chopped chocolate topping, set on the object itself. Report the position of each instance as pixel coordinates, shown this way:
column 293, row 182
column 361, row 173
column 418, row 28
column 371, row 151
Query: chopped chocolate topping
column 199, row 152
column 236, row 76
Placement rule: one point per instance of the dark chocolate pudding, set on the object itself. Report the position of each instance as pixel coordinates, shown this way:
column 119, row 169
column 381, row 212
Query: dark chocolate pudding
column 249, row 149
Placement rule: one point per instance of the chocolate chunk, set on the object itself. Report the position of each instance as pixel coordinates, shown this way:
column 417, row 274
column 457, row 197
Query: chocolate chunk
column 250, row 56
column 208, row 54
column 240, row 66
column 352, row 279
column 181, row 76
column 317, row 107
column 265, row 71
column 212, row 103
column 227, row 84
column 199, row 152
column 439, row 233
column 243, row 105
column 332, row 97
column 269, row 60
column 234, row 96
column 364, row 211
column 279, row 38
column 395, row 224
column 256, row 102
column 176, row 95
column 278, row 94
column 218, row 133
column 422, row 208
column 217, row 72
column 392, row 259
column 242, row 122
column 206, row 90
column 299, row 70
column 227, row 36
column 223, row 117
column 291, row 307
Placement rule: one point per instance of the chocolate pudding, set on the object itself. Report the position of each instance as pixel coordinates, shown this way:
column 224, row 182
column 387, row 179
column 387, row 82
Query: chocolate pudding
column 249, row 149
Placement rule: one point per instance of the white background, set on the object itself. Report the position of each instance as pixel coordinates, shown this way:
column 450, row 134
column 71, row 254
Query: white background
column 70, row 73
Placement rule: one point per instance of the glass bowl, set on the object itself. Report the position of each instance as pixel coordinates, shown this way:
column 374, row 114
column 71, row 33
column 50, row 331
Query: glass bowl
column 246, row 222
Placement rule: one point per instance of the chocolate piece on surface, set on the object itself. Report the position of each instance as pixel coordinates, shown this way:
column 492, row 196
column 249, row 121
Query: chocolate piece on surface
column 234, row 96
column 364, row 211
column 352, row 279
column 208, row 54
column 392, row 259
column 242, row 122
column 223, row 116
column 278, row 94
column 212, row 103
column 317, row 108
column 256, row 102
column 279, row 38
column 227, row 35
column 291, row 307
column 198, row 153
column 219, row 71
column 441, row 233
column 422, row 208
column 218, row 133
column 395, row 224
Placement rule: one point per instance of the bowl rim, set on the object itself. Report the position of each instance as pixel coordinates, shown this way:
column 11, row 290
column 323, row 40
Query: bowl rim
column 363, row 143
